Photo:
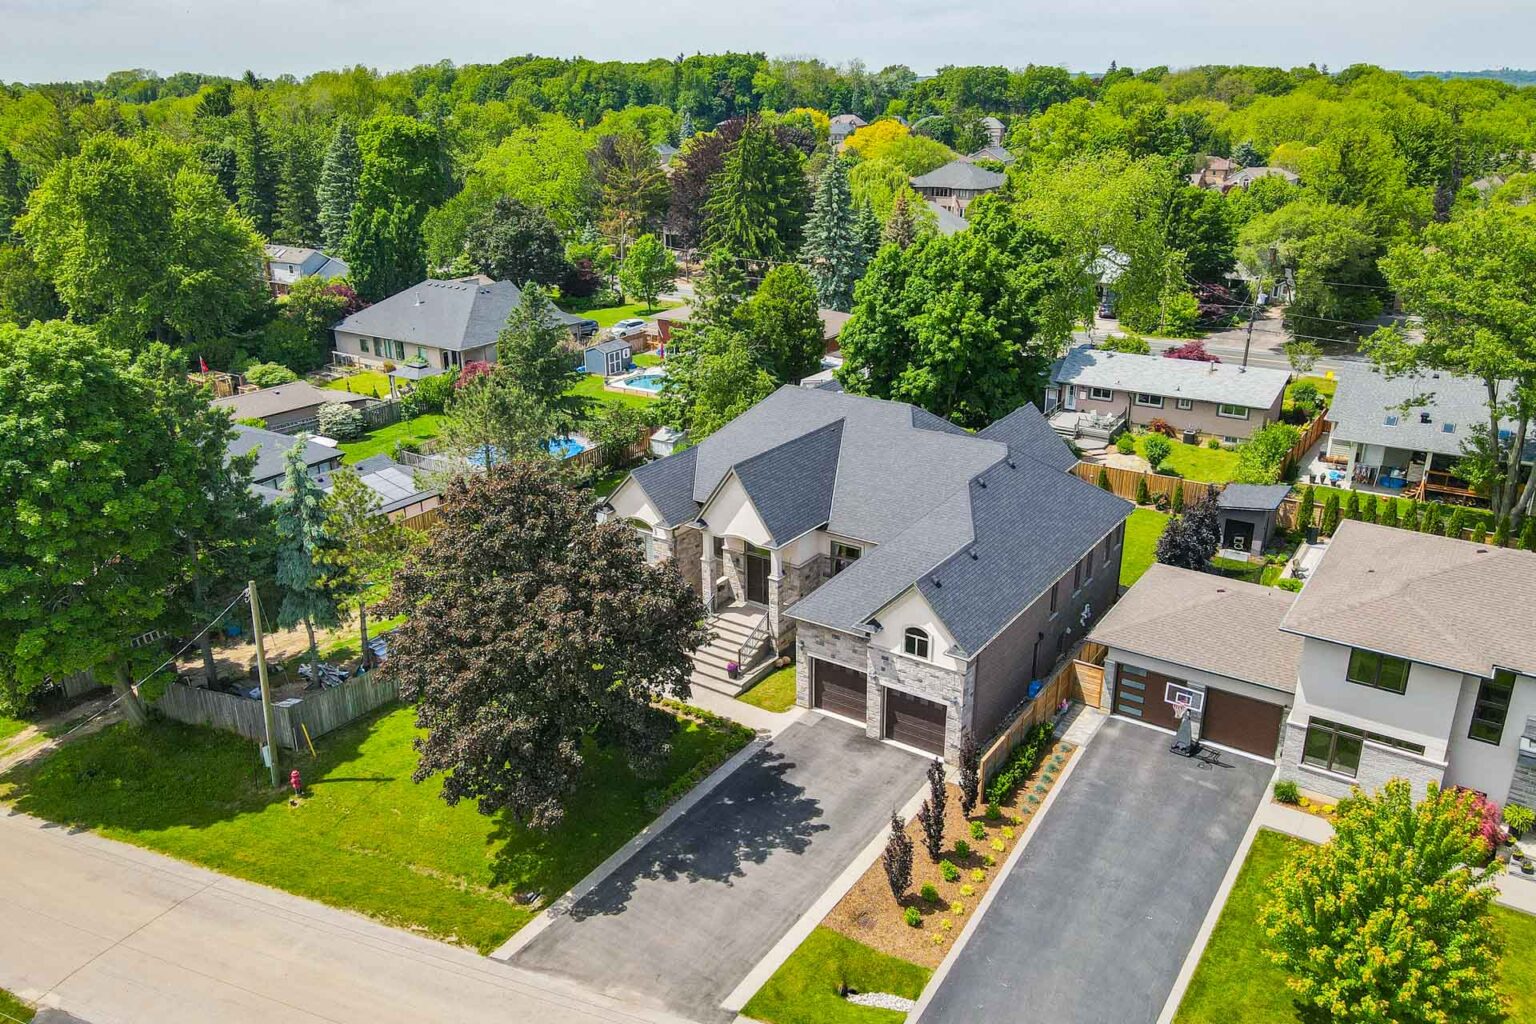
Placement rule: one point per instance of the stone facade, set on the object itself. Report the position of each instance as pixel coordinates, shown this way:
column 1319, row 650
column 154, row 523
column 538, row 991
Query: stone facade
column 686, row 554
column 1378, row 763
column 813, row 641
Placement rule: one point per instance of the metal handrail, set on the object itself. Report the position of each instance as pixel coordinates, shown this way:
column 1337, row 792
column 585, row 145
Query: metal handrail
column 751, row 647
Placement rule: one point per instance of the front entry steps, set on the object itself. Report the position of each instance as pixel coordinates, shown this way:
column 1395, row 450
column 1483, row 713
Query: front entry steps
column 731, row 626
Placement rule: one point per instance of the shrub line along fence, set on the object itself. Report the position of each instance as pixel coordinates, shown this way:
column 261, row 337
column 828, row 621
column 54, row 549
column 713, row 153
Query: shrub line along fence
column 1310, row 434
column 1073, row 679
column 319, row 713
column 375, row 415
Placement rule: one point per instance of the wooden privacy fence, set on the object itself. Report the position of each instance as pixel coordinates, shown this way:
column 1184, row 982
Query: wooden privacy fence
column 1310, row 435
column 1123, row 482
column 320, row 713
column 1065, row 684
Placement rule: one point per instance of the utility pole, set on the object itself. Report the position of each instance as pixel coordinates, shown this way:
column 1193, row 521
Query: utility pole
column 261, row 671
column 1253, row 314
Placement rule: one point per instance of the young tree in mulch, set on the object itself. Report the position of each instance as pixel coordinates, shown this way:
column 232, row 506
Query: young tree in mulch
column 937, row 791
column 932, row 822
column 970, row 772
column 1389, row 919
column 897, row 859
column 531, row 631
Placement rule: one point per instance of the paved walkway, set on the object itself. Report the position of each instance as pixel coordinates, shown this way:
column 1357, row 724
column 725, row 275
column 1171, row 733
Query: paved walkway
column 118, row 935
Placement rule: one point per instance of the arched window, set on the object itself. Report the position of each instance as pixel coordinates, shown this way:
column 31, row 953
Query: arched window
column 647, row 538
column 915, row 642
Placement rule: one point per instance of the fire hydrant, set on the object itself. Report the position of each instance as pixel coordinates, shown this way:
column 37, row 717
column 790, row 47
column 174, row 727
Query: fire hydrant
column 296, row 781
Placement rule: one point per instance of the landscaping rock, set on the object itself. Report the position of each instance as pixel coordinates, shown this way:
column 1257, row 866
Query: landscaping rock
column 883, row 1001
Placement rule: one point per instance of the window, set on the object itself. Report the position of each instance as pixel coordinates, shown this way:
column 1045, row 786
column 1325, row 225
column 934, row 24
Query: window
column 362, row 343
column 844, row 555
column 400, row 350
column 1119, row 535
column 915, row 642
column 1448, row 428
column 1492, row 707
column 1390, row 421
column 1054, row 587
column 1381, row 671
column 1077, row 577
column 647, row 538
column 1186, row 404
column 1150, row 401
column 1232, row 412
column 1331, row 747
column 1101, row 394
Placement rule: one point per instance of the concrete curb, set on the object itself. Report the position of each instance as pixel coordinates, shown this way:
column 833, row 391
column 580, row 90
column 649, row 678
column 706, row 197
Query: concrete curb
column 562, row 906
column 808, row 921
column 1013, row 858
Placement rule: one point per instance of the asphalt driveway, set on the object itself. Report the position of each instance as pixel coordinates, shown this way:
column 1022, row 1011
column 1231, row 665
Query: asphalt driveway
column 1096, row 917
column 685, row 919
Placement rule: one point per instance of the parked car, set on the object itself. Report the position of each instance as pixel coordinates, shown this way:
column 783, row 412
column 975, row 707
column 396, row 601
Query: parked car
column 585, row 328
column 630, row 328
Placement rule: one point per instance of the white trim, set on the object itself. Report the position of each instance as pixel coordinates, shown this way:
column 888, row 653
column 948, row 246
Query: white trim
column 1148, row 405
column 1184, row 404
column 834, row 714
column 1101, row 394
column 1230, row 416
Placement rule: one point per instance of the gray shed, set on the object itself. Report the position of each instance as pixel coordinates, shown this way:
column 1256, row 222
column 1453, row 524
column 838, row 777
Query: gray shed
column 1246, row 513
column 607, row 358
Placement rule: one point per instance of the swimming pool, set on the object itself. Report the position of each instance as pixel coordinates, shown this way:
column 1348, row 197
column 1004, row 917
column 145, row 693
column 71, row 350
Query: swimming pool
column 565, row 447
column 646, row 382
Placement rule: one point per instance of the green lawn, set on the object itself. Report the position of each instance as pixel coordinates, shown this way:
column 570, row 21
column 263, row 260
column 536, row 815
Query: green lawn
column 382, row 441
column 1141, row 533
column 367, row 838
column 607, row 316
column 775, row 693
column 1472, row 516
column 1195, row 461
column 805, row 989
column 1235, row 983
column 15, row 1009
column 10, row 726
column 1325, row 386
column 591, row 386
column 368, row 382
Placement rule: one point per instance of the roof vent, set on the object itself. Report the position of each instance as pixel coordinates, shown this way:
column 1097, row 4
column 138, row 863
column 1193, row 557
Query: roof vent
column 1424, row 416
column 974, row 555
column 934, row 579
column 1011, row 464
column 1482, row 551
column 981, row 481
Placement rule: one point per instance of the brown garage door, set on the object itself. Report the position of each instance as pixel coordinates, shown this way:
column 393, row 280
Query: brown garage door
column 914, row 721
column 1143, row 695
column 839, row 689
column 1241, row 723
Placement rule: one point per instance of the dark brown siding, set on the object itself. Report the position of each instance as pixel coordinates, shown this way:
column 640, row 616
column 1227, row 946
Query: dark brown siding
column 1242, row 723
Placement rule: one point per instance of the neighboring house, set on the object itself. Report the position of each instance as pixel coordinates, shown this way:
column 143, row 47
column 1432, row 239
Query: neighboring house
column 608, row 358
column 1222, row 175
column 1246, row 515
column 399, row 495
column 667, row 319
column 665, row 154
column 445, row 323
column 948, row 221
column 956, row 184
column 842, row 126
column 1406, row 655
column 271, row 450
column 1405, row 433
column 1248, row 175
column 288, row 405
column 1418, row 660
column 994, row 129
column 1211, row 399
column 1213, row 641
column 285, row 264
column 832, row 323
column 924, row 575
column 992, row 152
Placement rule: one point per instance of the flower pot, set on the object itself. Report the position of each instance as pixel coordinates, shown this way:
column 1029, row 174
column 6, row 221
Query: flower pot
column 733, row 670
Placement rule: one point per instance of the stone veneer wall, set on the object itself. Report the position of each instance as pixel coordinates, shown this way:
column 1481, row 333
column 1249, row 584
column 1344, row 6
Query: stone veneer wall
column 796, row 582
column 1377, row 765
column 687, row 552
column 812, row 641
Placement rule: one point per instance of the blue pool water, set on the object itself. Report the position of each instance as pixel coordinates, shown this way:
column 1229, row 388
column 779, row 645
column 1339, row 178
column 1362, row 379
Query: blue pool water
column 564, row 447
column 646, row 381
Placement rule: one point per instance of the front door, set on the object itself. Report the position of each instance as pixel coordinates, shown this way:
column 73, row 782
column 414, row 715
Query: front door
column 1069, row 396
column 758, row 568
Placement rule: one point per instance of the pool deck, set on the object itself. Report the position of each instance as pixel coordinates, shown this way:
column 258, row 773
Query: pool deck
column 618, row 383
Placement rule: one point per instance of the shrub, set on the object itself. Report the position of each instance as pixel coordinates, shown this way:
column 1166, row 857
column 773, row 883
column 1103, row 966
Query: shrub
column 1457, row 523
column 1125, row 444
column 929, row 892
column 898, row 858
column 431, row 394
column 1490, row 826
column 913, row 917
column 1330, row 515
column 1021, row 763
column 1387, row 514
column 998, row 846
column 1432, row 518
column 1304, row 395
column 978, row 874
column 1103, row 482
column 948, row 871
column 962, row 849
column 270, row 375
column 1519, row 818
column 252, row 421
column 1213, row 443
column 978, row 830
column 1007, row 832
column 1304, row 508
column 1193, row 350
column 342, row 422
column 994, row 812
column 1501, row 532
column 1143, row 496
column 1133, row 344
column 1286, row 792
column 1156, row 448
column 967, row 891
column 970, row 772
column 1480, row 533
column 1262, row 458
column 1528, row 534
column 957, row 908
column 1160, row 426
column 1289, row 583
column 932, row 823
column 1177, row 504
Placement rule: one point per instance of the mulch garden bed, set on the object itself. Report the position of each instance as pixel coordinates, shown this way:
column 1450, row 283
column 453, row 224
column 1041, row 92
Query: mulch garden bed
column 868, row 914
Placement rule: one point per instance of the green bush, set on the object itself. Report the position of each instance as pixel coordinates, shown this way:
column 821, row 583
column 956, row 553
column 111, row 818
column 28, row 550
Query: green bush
column 1519, row 818
column 962, row 849
column 1213, row 443
column 342, row 422
column 994, row 812
column 929, row 892
column 1286, row 792
column 1103, row 481
column 978, row 830
column 1156, row 448
column 1289, row 583
column 948, row 871
column 1021, row 763
column 270, row 375
column 1261, row 459
column 252, row 421
column 1143, row 496
column 1125, row 444
column 914, row 917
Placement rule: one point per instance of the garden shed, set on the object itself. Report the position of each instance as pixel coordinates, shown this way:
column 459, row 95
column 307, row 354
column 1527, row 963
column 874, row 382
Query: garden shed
column 607, row 358
column 1246, row 513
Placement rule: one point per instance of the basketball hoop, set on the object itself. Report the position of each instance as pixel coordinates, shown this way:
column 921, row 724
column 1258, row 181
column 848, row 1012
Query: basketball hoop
column 1181, row 705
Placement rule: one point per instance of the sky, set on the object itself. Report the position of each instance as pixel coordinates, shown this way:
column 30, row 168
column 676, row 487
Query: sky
column 54, row 40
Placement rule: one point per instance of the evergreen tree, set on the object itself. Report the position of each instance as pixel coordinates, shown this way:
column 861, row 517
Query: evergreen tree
column 303, row 545
column 1367, row 512
column 834, row 250
column 1306, row 507
column 870, row 231
column 1330, row 515
column 1176, row 504
column 1103, row 479
column 337, row 191
column 901, row 225
column 1432, row 520
column 368, row 545
column 1457, row 523
column 297, row 219
column 383, row 249
column 1479, row 533
column 1143, row 495
column 255, row 171
column 1347, row 507
column 12, row 196
column 687, row 130
column 719, row 291
column 1501, row 532
column 1388, row 515
column 531, row 348
column 756, row 206
column 1528, row 533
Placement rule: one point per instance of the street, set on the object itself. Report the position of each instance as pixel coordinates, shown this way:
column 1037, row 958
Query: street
column 1267, row 346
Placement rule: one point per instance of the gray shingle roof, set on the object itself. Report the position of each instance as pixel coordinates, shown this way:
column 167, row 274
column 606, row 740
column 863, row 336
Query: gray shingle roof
column 1256, row 387
column 791, row 485
column 1367, row 399
column 997, row 153
column 613, row 345
column 394, row 484
column 1026, row 431
column 461, row 314
column 949, row 222
column 1206, row 622
column 1462, row 606
column 668, row 483
column 270, row 448
column 284, row 398
column 1253, row 497
column 960, row 174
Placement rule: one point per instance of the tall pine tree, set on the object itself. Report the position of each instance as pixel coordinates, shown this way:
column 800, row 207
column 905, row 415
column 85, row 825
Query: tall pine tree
column 303, row 547
column 901, row 225
column 296, row 221
column 337, row 192
column 757, row 202
column 255, row 171
column 834, row 250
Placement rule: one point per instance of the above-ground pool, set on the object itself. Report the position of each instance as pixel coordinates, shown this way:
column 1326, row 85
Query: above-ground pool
column 649, row 381
column 565, row 447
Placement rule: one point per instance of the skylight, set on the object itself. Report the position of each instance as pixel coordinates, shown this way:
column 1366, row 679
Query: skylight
column 1448, row 428
column 1390, row 421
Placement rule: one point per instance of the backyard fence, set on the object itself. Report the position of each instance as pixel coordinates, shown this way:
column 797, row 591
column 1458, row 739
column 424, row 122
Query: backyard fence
column 1123, row 482
column 1310, row 434
column 1064, row 684
column 319, row 713
column 375, row 415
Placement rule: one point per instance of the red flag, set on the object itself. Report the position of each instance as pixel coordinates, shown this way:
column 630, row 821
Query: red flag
column 203, row 363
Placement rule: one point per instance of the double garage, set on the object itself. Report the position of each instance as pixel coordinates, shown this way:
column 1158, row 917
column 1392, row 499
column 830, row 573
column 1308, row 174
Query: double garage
column 910, row 720
column 1227, row 718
